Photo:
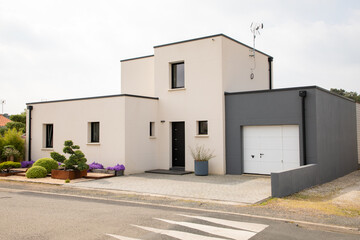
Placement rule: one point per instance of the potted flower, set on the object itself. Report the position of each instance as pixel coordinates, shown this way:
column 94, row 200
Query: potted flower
column 73, row 167
column 96, row 167
column 118, row 169
column 201, row 157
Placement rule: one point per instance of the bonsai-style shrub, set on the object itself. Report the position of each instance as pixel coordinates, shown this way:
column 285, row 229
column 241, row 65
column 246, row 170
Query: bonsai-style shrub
column 10, row 153
column 76, row 161
column 36, row 172
column 95, row 165
column 26, row 164
column 6, row 166
column 47, row 163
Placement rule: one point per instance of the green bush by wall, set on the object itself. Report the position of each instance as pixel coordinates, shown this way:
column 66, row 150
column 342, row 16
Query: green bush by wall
column 47, row 163
column 36, row 172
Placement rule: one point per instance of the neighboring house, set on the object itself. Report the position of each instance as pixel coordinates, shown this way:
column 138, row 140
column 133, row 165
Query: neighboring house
column 175, row 99
column 3, row 120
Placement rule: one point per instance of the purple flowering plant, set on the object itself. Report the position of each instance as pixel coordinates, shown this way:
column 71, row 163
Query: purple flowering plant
column 26, row 164
column 95, row 165
column 117, row 167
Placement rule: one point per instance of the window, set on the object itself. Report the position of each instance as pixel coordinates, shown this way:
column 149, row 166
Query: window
column 152, row 129
column 177, row 75
column 49, row 132
column 95, row 132
column 202, row 127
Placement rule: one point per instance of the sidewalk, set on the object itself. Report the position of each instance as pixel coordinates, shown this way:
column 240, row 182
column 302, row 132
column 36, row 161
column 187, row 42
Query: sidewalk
column 239, row 189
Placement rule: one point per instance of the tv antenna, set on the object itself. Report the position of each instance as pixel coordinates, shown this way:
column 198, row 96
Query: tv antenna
column 2, row 101
column 255, row 29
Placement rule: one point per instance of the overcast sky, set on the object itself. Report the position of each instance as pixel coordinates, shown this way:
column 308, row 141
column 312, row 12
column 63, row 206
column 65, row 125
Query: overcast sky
column 68, row 49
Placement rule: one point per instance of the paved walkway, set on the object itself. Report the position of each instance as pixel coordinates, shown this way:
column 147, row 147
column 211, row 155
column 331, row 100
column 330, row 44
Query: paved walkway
column 246, row 189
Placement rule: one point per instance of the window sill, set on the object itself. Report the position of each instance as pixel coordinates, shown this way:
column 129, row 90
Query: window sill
column 176, row 89
column 152, row 137
column 47, row 149
column 93, row 144
column 202, row 136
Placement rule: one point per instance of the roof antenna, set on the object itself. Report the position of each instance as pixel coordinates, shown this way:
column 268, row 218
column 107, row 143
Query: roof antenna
column 255, row 29
column 2, row 101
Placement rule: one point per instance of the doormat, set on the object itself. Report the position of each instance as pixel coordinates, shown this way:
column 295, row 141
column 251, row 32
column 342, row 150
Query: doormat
column 169, row 171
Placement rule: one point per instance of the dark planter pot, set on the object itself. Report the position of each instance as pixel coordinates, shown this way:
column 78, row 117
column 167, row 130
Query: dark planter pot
column 116, row 173
column 65, row 174
column 201, row 168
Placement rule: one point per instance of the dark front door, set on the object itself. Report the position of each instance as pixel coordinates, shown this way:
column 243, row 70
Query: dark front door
column 178, row 144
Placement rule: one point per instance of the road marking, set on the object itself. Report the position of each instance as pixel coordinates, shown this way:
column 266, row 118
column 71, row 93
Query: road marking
column 254, row 227
column 224, row 232
column 179, row 234
column 336, row 228
column 121, row 237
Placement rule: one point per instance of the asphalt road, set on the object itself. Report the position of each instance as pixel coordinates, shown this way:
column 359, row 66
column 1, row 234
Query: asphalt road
column 35, row 215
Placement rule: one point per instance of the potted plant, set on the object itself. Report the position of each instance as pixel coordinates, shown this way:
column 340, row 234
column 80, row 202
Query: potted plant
column 5, row 168
column 96, row 167
column 73, row 167
column 201, row 157
column 10, row 153
column 118, row 169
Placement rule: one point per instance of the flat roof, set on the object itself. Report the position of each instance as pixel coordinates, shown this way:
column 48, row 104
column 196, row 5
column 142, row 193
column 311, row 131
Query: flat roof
column 96, row 97
column 196, row 39
column 291, row 88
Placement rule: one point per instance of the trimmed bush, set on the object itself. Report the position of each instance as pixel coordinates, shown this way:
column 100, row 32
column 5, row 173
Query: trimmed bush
column 6, row 166
column 36, row 172
column 47, row 163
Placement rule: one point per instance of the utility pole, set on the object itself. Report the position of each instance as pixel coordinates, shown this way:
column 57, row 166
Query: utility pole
column 3, row 101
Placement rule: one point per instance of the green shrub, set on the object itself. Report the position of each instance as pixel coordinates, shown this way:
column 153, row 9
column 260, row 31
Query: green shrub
column 13, row 137
column 21, row 127
column 19, row 117
column 6, row 166
column 47, row 163
column 67, row 181
column 9, row 151
column 36, row 172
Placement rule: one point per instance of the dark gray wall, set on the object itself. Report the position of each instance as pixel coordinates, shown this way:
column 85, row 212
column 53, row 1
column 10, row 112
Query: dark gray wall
column 330, row 132
column 275, row 107
column 336, row 136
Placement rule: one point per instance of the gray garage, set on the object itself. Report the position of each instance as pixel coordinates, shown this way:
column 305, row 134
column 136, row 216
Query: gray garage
column 300, row 136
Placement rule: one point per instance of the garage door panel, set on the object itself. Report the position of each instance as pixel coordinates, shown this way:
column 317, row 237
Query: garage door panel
column 275, row 148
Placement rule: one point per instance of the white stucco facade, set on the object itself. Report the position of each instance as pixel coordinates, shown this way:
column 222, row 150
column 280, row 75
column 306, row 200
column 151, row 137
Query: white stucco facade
column 212, row 65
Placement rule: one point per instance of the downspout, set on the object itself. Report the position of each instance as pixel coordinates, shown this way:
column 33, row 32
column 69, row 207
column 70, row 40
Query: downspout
column 302, row 94
column 30, row 108
column 270, row 59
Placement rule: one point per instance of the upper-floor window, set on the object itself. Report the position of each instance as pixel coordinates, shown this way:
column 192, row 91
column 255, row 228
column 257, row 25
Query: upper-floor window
column 49, row 133
column 177, row 75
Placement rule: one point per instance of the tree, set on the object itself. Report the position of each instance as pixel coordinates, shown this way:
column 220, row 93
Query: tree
column 352, row 95
column 18, row 122
column 19, row 117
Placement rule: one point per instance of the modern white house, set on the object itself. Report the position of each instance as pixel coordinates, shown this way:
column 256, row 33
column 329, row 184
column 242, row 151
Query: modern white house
column 212, row 91
column 169, row 101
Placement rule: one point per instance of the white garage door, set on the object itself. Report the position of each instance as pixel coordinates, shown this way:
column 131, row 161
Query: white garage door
column 271, row 148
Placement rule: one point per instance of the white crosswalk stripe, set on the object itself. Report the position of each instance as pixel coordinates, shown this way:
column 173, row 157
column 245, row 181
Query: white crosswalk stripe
column 254, row 227
column 179, row 234
column 224, row 232
column 243, row 231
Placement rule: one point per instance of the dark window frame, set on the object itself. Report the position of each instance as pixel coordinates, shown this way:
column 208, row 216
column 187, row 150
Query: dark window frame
column 203, row 130
column 95, row 132
column 174, row 76
column 49, row 135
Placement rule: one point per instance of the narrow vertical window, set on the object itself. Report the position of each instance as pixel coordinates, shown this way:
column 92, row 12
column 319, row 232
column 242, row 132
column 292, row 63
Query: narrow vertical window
column 152, row 129
column 49, row 131
column 177, row 75
column 202, row 127
column 95, row 132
